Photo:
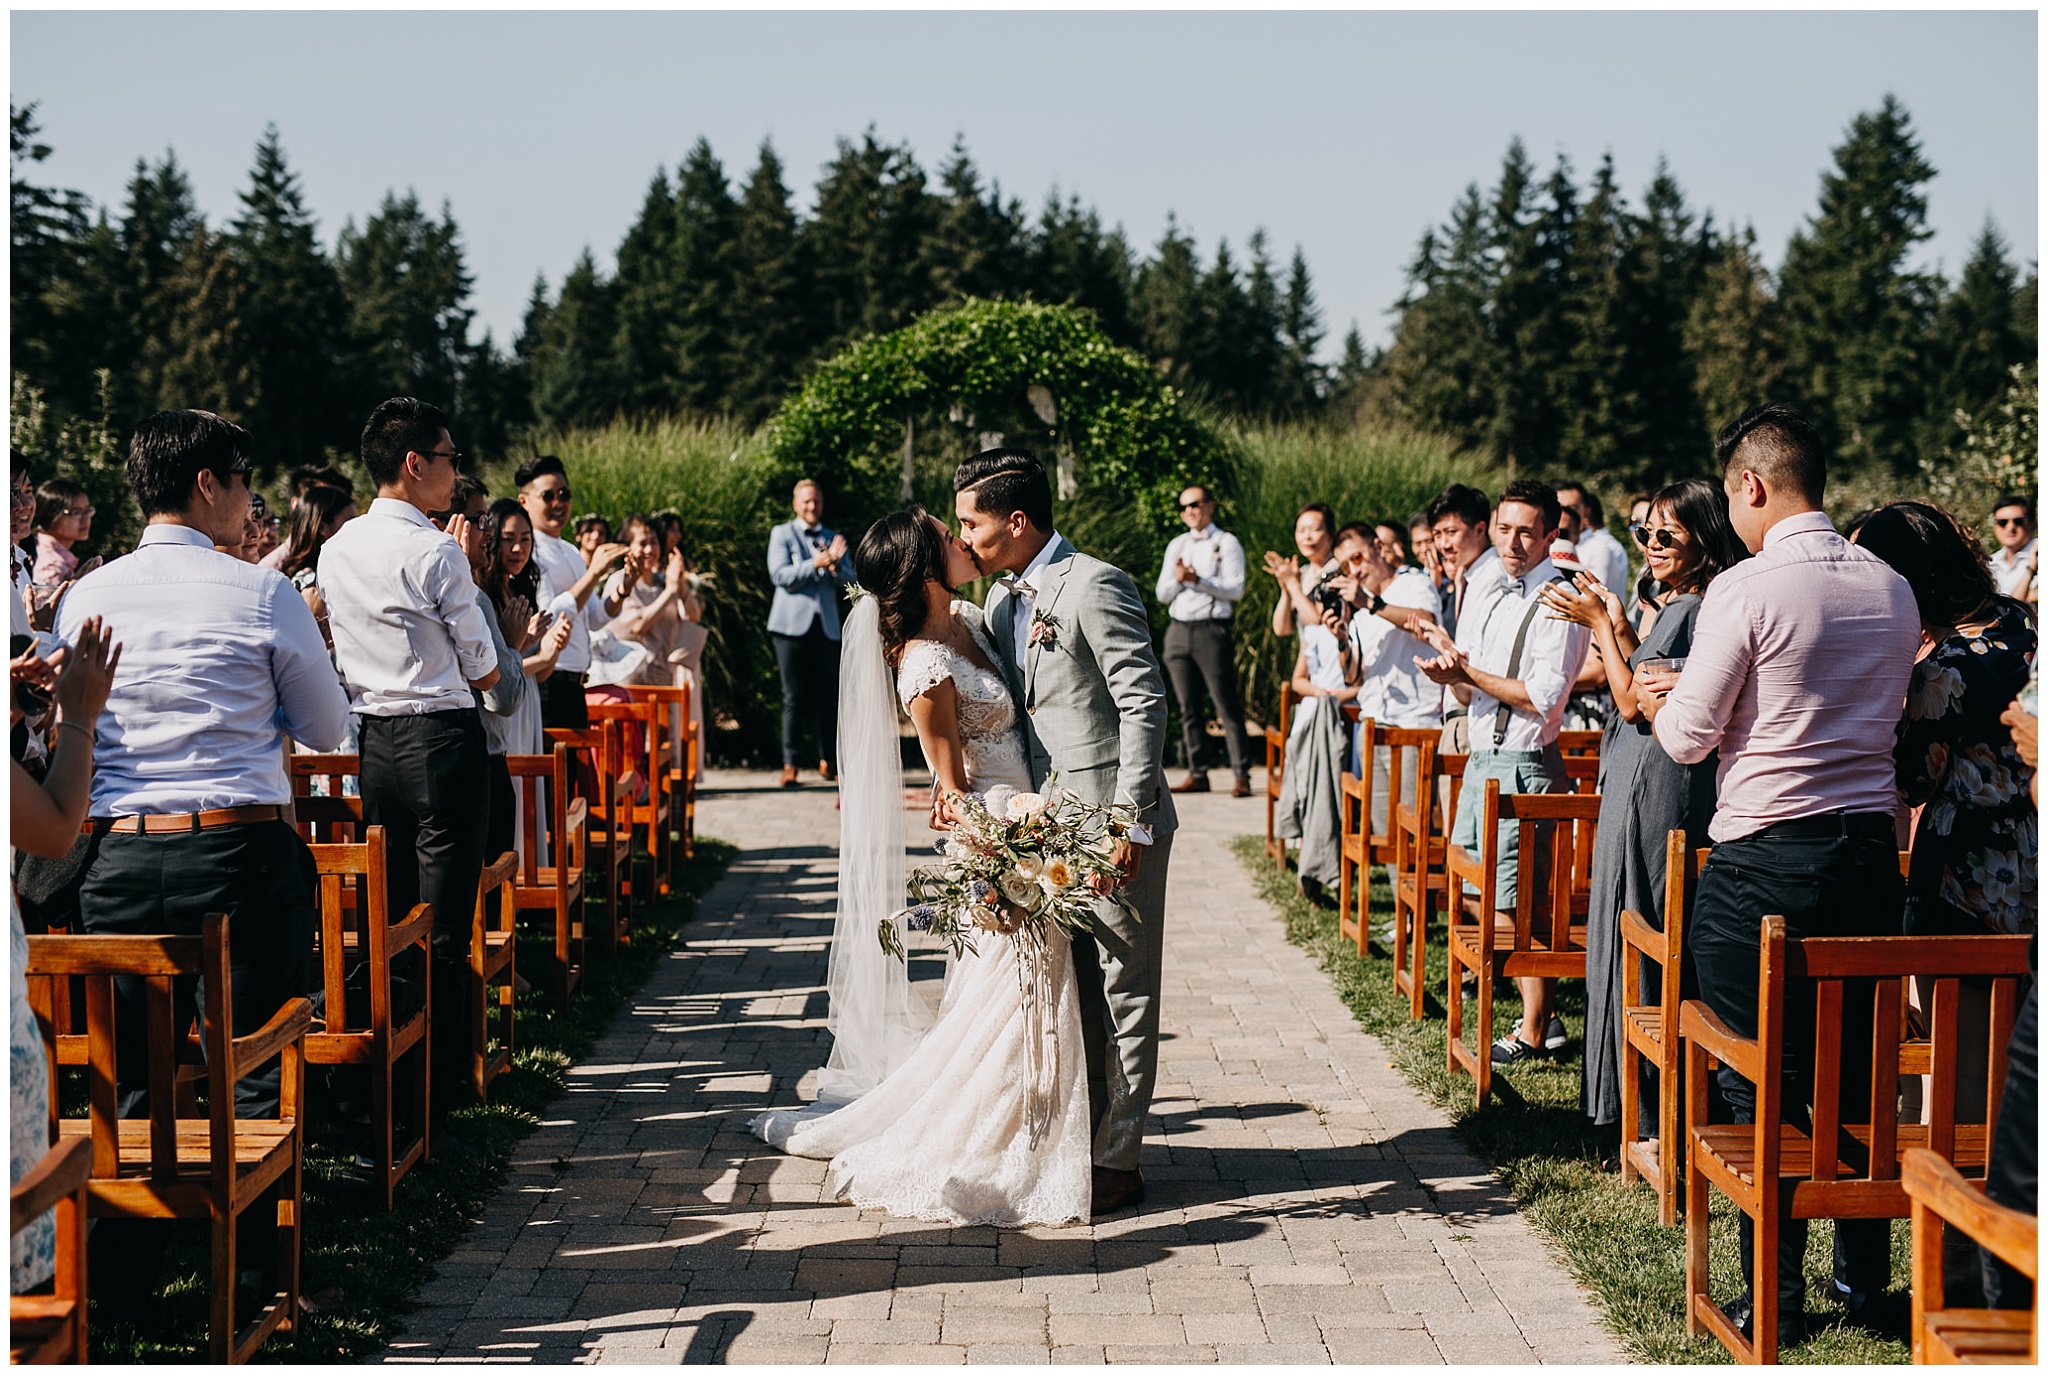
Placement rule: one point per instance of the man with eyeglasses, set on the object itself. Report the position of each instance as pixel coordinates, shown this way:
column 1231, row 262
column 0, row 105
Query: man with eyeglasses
column 2012, row 567
column 566, row 585
column 411, row 640
column 1200, row 582
column 221, row 664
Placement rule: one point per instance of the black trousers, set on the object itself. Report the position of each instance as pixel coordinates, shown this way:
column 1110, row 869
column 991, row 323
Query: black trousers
column 501, row 832
column 1827, row 876
column 262, row 876
column 426, row 781
column 1197, row 655
column 562, row 703
column 2012, row 1176
column 809, row 665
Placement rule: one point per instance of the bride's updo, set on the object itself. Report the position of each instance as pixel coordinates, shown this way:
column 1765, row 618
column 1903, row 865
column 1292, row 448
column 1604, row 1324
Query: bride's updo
column 897, row 555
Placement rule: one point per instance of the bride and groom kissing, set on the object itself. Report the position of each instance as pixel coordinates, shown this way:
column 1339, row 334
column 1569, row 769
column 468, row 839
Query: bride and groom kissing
column 927, row 1118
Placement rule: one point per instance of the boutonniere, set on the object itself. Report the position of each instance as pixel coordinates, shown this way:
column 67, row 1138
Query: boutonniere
column 1045, row 630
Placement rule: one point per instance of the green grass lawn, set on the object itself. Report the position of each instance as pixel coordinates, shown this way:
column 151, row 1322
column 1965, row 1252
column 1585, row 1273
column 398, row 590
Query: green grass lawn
column 378, row 1261
column 1547, row 1151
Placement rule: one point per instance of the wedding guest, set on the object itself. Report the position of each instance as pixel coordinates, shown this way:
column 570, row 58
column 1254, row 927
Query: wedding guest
column 412, row 641
column 657, row 608
column 1318, row 746
column 567, row 582
column 669, row 526
column 1800, row 658
column 1315, row 537
column 267, row 536
column 1644, row 793
column 63, row 518
column 807, row 562
column 305, row 477
column 1393, row 690
column 2012, row 567
column 2011, row 1167
column 593, row 532
column 1423, row 541
column 44, row 821
column 1393, row 551
column 1201, row 579
column 1512, row 667
column 320, row 513
column 1459, row 521
column 509, row 577
column 191, row 803
column 1601, row 553
column 20, row 562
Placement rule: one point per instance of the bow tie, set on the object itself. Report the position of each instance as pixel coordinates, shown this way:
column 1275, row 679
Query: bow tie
column 1020, row 588
column 1515, row 586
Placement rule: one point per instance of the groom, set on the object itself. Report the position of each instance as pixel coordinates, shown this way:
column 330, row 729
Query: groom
column 1077, row 650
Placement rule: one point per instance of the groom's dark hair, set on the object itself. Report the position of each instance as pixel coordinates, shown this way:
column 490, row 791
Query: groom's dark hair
column 1006, row 480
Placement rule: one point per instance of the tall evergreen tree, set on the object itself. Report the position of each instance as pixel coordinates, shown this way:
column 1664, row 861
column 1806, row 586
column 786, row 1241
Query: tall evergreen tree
column 408, row 289
column 1731, row 338
column 767, row 292
column 1442, row 370
column 1857, row 323
column 866, row 242
column 976, row 247
column 702, row 303
column 292, row 315
column 206, row 359
column 1303, row 380
column 1071, row 261
column 1167, row 305
column 1975, row 342
column 568, row 345
column 46, row 227
column 647, row 289
column 1532, row 244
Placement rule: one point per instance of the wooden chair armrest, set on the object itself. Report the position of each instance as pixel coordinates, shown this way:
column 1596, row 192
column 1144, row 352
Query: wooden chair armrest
column 500, row 870
column 258, row 1048
column 579, row 814
column 2005, row 1232
column 64, row 1171
column 1351, row 785
column 1697, row 1022
column 1458, row 863
column 418, row 925
column 1638, row 934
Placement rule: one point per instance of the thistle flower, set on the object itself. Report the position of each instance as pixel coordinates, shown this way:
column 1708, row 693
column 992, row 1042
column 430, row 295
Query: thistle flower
column 921, row 917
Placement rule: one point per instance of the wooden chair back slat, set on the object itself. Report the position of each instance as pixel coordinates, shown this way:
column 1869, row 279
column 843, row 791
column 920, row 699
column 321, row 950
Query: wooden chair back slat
column 1827, row 1106
column 1578, row 743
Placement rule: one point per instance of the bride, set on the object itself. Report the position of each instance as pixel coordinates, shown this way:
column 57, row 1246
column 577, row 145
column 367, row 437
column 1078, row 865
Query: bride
column 982, row 1116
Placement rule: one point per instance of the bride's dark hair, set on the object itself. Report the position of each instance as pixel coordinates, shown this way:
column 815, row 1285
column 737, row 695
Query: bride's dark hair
column 896, row 556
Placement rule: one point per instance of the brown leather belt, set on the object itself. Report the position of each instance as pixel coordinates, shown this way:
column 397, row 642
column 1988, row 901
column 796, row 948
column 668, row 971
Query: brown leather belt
column 173, row 822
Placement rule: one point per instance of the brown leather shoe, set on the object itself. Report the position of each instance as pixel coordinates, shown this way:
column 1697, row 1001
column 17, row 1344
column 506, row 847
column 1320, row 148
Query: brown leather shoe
column 1197, row 783
column 1113, row 1190
column 826, row 771
column 789, row 776
column 1241, row 788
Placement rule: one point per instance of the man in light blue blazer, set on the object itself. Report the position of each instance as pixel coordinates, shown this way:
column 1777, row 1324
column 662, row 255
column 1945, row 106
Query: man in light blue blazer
column 809, row 566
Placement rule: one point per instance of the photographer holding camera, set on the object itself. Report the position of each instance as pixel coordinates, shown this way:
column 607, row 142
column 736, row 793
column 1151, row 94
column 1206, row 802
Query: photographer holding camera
column 1318, row 742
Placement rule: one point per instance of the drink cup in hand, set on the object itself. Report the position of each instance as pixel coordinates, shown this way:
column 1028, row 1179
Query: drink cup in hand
column 1658, row 676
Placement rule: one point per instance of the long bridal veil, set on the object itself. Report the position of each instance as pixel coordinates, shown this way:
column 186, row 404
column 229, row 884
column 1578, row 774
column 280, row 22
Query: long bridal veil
column 875, row 1020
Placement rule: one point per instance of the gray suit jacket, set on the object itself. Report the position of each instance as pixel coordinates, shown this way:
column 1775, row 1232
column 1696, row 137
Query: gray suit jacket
column 1090, row 696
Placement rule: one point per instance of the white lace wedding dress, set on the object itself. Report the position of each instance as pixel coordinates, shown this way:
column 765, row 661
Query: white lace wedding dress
column 946, row 1136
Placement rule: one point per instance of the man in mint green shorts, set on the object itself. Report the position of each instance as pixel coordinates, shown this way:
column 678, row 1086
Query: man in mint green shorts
column 1513, row 666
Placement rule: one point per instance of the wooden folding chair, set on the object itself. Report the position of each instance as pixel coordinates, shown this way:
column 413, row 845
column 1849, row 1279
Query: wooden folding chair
column 1843, row 1167
column 551, row 821
column 1942, row 1198
column 1579, row 744
column 1276, row 762
column 359, row 937
column 608, row 839
column 1649, row 1030
column 1359, row 848
column 683, row 749
column 321, row 775
column 1545, row 936
column 49, row 1329
column 493, row 947
column 650, row 764
column 1419, row 844
column 164, row 1166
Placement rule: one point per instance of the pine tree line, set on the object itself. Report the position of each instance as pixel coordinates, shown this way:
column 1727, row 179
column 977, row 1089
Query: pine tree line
column 1555, row 327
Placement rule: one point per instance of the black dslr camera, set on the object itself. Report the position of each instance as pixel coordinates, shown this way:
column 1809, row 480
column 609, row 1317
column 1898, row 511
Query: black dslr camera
column 1329, row 599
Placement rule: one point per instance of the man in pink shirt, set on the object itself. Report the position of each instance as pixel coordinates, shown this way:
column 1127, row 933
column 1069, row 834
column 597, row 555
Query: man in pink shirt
column 1798, row 675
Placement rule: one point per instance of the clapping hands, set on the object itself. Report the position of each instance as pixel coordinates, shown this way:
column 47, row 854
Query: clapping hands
column 1448, row 666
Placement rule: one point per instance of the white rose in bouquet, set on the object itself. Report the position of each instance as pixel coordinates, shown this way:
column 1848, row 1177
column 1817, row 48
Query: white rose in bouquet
column 1018, row 889
column 1024, row 806
column 1030, row 867
column 997, row 800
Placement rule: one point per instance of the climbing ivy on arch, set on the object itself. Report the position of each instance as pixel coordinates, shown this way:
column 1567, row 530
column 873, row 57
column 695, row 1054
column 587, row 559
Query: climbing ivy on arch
column 1129, row 436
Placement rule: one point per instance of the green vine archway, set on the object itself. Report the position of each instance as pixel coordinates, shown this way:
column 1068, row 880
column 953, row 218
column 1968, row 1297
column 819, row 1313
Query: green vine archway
column 887, row 419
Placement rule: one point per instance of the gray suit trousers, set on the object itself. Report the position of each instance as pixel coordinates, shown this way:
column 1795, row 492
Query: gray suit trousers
column 1116, row 970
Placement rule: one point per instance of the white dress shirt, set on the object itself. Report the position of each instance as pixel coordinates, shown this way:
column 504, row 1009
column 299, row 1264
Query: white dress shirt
column 2009, row 566
column 560, row 568
column 1552, row 653
column 409, row 636
column 1394, row 691
column 21, row 577
column 1603, row 556
column 220, row 661
column 1027, row 595
column 1218, row 561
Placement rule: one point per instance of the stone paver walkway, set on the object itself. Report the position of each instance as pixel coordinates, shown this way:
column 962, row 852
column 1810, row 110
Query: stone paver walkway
column 1306, row 1206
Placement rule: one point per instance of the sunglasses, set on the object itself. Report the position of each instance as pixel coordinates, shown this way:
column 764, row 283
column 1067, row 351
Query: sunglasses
column 1661, row 537
column 558, row 494
column 2003, row 521
column 1192, row 505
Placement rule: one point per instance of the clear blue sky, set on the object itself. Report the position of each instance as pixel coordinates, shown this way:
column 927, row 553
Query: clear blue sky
column 1345, row 133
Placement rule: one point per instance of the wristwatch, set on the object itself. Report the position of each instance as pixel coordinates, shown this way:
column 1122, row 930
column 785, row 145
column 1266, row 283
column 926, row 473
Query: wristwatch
column 1373, row 601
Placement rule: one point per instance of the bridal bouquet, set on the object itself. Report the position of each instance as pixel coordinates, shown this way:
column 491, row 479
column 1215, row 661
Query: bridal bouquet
column 1019, row 864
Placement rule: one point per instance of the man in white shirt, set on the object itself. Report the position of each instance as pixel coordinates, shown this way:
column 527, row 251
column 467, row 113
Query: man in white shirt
column 221, row 666
column 1460, row 518
column 566, row 585
column 1393, row 689
column 1200, row 581
column 411, row 639
column 2012, row 521
column 1513, row 667
column 1602, row 554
